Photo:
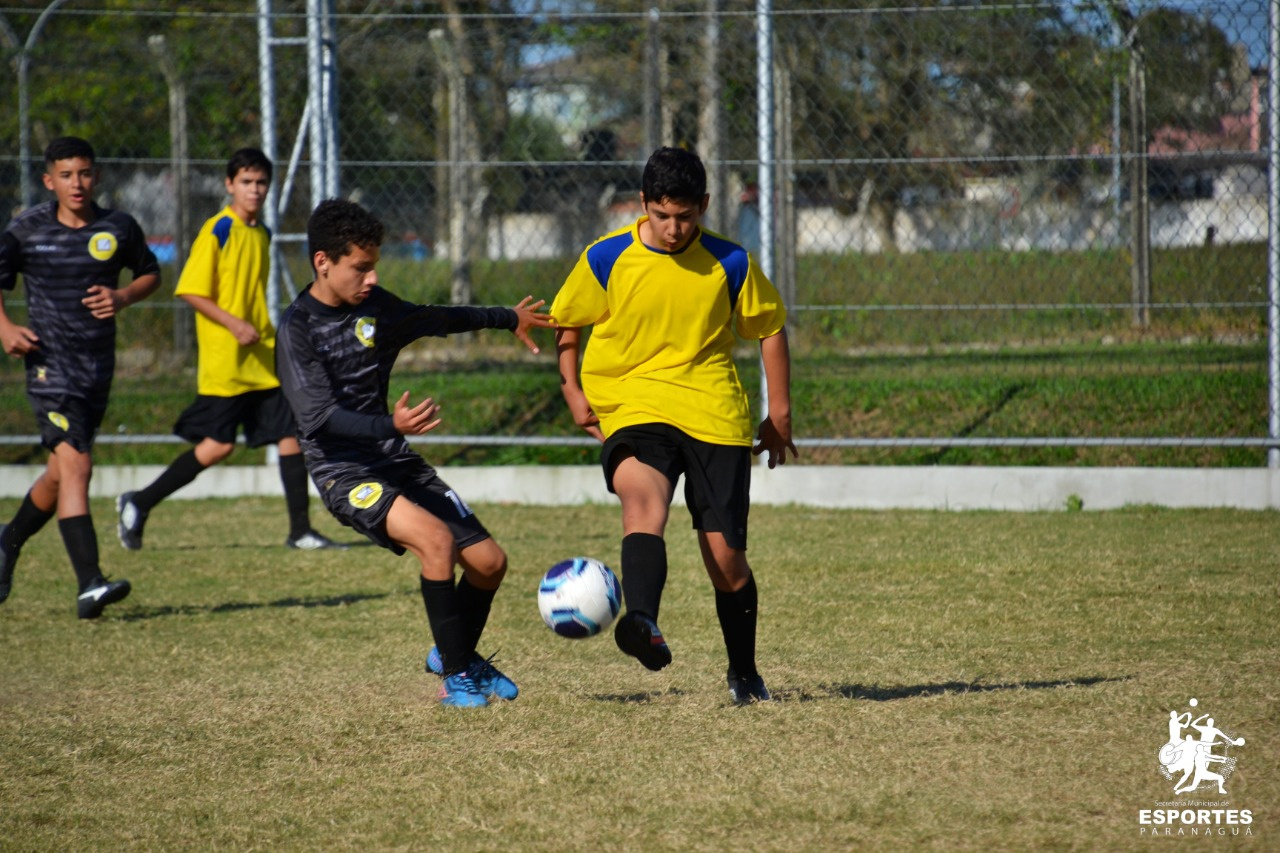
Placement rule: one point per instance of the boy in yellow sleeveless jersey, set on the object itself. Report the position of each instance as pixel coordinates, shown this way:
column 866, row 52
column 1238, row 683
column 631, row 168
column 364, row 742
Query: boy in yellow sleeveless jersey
column 225, row 281
column 660, row 389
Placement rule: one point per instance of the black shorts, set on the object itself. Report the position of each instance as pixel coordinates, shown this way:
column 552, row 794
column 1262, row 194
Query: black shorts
column 717, row 477
column 360, row 498
column 265, row 416
column 72, row 419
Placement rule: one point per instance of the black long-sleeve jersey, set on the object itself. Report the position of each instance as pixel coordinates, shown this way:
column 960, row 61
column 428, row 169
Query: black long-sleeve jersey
column 76, row 352
column 334, row 366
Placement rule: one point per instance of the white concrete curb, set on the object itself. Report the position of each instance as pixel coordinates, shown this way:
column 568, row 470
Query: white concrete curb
column 852, row 487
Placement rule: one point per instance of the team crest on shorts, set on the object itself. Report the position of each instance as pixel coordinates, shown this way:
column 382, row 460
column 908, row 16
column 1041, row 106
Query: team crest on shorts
column 365, row 329
column 365, row 495
column 59, row 420
column 42, row 374
column 103, row 245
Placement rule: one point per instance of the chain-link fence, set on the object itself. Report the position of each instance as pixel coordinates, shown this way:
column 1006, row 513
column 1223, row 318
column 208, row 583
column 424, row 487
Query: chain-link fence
column 1068, row 194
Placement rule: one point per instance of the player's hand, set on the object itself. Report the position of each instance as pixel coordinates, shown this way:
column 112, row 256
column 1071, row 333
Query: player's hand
column 243, row 331
column 104, row 302
column 774, row 437
column 527, row 317
column 582, row 414
column 18, row 340
column 415, row 420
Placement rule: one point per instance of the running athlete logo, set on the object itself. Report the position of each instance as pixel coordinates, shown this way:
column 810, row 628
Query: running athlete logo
column 365, row 495
column 59, row 420
column 1194, row 757
column 365, row 329
column 103, row 245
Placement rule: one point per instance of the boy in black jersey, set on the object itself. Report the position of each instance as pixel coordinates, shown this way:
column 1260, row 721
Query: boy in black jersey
column 335, row 348
column 70, row 252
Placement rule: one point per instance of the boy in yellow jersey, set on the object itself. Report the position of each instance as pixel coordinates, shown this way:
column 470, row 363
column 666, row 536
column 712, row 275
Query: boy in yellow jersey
column 660, row 389
column 225, row 280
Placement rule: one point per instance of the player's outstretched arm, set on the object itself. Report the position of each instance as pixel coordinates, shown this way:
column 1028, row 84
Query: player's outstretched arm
column 774, row 435
column 527, row 317
column 415, row 420
column 568, row 342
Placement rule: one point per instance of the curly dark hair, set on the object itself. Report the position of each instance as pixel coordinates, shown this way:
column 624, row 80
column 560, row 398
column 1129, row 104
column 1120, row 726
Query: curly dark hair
column 337, row 224
column 673, row 174
column 67, row 147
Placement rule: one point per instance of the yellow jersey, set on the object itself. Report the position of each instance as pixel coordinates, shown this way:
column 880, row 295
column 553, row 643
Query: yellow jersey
column 228, row 264
column 661, row 346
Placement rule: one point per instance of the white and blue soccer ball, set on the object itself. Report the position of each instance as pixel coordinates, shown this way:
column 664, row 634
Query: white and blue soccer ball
column 579, row 597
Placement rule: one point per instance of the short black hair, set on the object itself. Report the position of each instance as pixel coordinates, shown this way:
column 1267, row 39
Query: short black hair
column 673, row 174
column 337, row 224
column 67, row 147
column 248, row 158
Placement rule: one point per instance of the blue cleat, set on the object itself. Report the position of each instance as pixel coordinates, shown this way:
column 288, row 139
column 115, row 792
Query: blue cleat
column 460, row 691
column 488, row 678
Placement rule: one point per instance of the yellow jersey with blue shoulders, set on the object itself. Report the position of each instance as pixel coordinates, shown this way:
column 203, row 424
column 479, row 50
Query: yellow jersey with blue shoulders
column 228, row 264
column 661, row 346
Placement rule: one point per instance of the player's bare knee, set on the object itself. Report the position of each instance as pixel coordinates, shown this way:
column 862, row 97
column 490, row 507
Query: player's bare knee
column 484, row 561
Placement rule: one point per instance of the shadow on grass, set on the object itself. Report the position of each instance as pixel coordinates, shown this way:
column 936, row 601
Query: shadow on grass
column 877, row 693
column 235, row 606
column 636, row 698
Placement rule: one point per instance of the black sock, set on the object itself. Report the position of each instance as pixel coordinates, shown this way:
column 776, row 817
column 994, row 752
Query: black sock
column 82, row 548
column 474, row 605
column 181, row 471
column 293, row 475
column 644, row 572
column 737, row 612
column 448, row 626
column 26, row 523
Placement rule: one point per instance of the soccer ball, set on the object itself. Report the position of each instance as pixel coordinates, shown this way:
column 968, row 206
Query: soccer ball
column 579, row 597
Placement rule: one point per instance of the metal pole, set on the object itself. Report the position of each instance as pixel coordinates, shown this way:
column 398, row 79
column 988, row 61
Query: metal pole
column 267, row 108
column 316, row 134
column 764, row 146
column 764, row 129
column 24, row 105
column 1139, row 211
column 329, row 92
column 1273, row 237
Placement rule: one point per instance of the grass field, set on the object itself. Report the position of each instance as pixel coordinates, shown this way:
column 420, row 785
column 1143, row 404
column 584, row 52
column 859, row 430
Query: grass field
column 945, row 681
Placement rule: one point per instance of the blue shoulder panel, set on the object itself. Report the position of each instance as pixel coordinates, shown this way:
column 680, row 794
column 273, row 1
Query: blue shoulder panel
column 222, row 230
column 603, row 255
column 733, row 258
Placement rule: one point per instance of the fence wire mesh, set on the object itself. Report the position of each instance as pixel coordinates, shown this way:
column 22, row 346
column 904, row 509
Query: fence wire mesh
column 969, row 199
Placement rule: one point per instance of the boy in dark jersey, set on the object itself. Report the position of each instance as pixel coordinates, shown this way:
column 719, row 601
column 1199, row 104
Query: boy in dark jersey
column 225, row 280
column 70, row 252
column 336, row 346
column 660, row 389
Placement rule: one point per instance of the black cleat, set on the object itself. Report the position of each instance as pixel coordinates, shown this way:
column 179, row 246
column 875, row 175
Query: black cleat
column 638, row 635
column 312, row 541
column 744, row 691
column 99, row 595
